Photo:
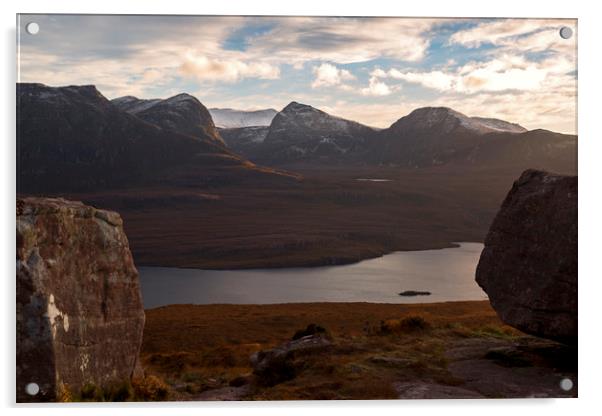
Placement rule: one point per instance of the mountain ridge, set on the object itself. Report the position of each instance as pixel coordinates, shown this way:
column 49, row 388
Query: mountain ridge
column 74, row 139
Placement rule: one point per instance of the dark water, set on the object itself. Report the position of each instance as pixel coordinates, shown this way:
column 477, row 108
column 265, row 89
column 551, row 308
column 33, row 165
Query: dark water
column 448, row 274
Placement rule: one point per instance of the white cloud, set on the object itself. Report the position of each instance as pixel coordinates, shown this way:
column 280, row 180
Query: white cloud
column 209, row 69
column 495, row 32
column 434, row 79
column 507, row 72
column 524, row 35
column 376, row 87
column 328, row 75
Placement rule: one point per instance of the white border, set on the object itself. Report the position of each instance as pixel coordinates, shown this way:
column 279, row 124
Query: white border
column 589, row 200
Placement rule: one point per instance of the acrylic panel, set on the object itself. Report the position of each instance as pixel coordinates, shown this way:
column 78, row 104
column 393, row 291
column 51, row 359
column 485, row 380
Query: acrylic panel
column 295, row 208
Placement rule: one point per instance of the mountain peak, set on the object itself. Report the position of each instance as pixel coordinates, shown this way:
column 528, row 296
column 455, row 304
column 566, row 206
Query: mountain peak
column 62, row 94
column 447, row 119
column 436, row 113
column 295, row 107
column 181, row 97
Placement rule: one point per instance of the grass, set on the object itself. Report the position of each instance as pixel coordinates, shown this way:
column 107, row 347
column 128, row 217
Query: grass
column 191, row 349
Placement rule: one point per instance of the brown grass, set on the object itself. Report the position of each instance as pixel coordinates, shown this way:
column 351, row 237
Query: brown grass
column 203, row 347
column 328, row 218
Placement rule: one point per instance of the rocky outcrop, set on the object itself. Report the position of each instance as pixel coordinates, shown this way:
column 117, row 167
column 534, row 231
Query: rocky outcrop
column 278, row 364
column 529, row 264
column 79, row 308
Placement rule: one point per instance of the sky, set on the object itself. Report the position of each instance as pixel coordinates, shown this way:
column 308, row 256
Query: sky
column 371, row 70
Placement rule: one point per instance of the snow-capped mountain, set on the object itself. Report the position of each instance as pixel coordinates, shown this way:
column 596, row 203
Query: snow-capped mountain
column 182, row 113
column 302, row 132
column 229, row 118
column 440, row 135
column 444, row 120
column 497, row 125
column 425, row 137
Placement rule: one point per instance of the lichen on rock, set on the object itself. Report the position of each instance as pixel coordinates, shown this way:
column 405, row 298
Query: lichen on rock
column 79, row 308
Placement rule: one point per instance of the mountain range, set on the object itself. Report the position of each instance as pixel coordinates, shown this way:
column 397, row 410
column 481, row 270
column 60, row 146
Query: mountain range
column 429, row 136
column 74, row 138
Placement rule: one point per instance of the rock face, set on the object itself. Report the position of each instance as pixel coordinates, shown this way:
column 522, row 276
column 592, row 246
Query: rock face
column 79, row 308
column 529, row 264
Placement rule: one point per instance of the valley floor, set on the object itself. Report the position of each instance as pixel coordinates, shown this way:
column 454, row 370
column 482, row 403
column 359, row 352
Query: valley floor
column 377, row 351
column 328, row 217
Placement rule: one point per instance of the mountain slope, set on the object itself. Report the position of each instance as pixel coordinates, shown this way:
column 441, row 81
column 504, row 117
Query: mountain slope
column 182, row 113
column 439, row 135
column 73, row 139
column 229, row 118
column 245, row 141
column 303, row 133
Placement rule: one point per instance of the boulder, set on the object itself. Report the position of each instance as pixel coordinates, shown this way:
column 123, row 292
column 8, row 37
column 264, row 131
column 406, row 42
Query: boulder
column 79, row 308
column 528, row 267
column 278, row 364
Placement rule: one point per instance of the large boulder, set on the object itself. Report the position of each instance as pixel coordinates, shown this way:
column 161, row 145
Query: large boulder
column 528, row 267
column 79, row 308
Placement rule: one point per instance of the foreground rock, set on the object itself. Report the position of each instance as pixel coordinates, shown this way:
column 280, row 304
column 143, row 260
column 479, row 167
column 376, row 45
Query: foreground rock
column 278, row 364
column 529, row 264
column 79, row 309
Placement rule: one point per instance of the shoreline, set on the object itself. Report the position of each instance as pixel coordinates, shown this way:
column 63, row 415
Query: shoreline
column 311, row 264
column 325, row 304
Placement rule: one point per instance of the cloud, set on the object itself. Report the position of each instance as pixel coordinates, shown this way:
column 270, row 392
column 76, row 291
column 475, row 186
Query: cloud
column 494, row 32
column 507, row 72
column 434, row 79
column 328, row 75
column 228, row 70
column 343, row 40
column 524, row 35
column 376, row 87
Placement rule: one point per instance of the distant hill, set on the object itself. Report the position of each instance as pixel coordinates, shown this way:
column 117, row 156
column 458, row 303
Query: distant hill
column 229, row 118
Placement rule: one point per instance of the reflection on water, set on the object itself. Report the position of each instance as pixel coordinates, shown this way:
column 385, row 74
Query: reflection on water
column 448, row 274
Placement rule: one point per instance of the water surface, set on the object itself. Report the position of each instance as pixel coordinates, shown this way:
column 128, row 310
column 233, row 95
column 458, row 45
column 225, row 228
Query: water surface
column 447, row 273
